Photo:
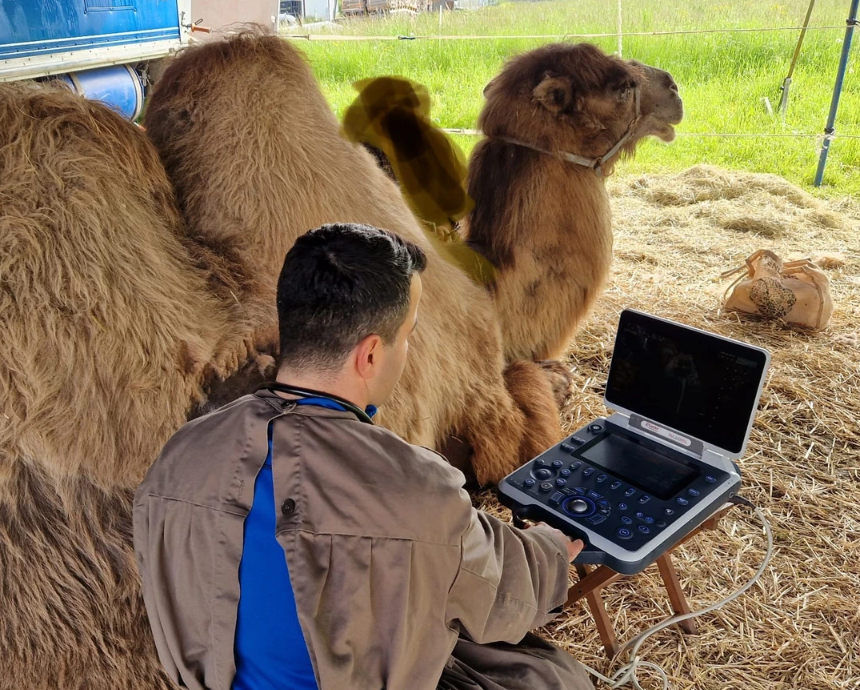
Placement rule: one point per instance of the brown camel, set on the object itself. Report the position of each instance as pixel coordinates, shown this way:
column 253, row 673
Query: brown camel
column 555, row 122
column 256, row 159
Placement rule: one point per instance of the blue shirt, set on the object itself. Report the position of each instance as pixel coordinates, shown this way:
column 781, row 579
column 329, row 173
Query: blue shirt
column 270, row 649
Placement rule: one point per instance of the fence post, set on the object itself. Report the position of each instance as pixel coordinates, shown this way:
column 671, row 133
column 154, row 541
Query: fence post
column 618, row 28
column 786, row 84
column 837, row 90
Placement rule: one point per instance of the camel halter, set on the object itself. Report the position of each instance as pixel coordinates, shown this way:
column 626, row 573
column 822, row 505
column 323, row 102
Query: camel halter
column 595, row 164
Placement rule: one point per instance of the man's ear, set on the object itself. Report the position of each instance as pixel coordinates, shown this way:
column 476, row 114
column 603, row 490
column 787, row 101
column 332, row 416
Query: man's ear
column 366, row 356
column 554, row 93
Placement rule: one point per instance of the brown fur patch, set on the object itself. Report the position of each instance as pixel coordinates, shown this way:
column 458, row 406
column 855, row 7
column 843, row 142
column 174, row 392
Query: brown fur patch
column 107, row 333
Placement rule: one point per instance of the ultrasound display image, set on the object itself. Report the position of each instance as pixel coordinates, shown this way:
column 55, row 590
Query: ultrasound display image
column 703, row 386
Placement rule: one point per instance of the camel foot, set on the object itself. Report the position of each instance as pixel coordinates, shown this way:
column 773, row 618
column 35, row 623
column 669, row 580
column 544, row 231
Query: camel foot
column 560, row 379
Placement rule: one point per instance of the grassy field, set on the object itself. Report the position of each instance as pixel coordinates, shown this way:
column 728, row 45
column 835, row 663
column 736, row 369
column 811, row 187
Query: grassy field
column 723, row 76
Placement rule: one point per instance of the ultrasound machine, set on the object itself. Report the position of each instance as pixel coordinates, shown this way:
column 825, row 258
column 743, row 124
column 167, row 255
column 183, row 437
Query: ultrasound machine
column 631, row 486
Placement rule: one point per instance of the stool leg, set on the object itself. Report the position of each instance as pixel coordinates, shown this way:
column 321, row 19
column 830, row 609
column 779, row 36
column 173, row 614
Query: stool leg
column 601, row 619
column 676, row 594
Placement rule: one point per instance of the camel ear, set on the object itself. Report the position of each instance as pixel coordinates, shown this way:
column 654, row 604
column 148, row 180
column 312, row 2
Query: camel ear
column 554, row 93
column 490, row 85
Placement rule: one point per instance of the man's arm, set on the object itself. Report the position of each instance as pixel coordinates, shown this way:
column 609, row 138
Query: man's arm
column 509, row 581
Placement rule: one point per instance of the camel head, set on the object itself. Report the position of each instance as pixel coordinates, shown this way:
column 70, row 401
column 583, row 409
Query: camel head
column 574, row 98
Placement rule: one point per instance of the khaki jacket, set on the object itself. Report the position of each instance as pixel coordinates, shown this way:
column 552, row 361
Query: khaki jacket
column 387, row 558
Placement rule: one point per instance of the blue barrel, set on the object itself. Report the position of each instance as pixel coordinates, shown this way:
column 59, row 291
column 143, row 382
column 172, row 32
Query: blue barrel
column 118, row 87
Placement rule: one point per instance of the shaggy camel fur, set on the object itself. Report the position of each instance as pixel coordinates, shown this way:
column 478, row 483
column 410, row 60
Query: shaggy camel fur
column 256, row 159
column 544, row 222
column 106, row 336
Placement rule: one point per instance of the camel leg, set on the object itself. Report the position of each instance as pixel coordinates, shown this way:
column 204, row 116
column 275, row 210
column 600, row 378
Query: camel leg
column 529, row 386
column 560, row 379
column 507, row 427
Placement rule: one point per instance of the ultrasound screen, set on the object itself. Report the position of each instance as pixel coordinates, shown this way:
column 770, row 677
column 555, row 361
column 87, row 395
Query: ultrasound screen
column 653, row 473
column 700, row 384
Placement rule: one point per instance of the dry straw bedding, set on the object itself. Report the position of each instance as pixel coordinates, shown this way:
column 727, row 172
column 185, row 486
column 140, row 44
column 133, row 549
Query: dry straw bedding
column 799, row 627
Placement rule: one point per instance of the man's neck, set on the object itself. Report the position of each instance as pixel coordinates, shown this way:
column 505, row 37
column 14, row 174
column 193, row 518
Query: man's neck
column 333, row 385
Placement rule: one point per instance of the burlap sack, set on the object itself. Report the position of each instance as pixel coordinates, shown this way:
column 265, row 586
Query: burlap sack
column 795, row 291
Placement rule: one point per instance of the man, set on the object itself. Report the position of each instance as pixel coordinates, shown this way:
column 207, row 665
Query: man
column 286, row 542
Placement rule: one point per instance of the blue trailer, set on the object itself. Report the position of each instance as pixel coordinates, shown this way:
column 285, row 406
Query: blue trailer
column 101, row 48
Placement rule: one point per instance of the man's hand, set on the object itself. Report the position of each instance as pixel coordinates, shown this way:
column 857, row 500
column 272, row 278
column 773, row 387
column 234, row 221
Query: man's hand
column 574, row 546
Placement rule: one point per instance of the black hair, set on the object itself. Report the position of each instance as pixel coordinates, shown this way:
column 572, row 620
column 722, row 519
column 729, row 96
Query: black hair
column 339, row 284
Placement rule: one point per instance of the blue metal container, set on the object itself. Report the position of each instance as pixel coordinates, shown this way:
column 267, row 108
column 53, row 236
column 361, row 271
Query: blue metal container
column 46, row 37
column 40, row 27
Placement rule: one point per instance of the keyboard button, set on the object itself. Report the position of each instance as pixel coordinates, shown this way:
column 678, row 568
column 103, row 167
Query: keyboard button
column 681, row 501
column 567, row 448
column 596, row 519
column 640, row 515
column 560, row 482
column 557, row 464
column 644, row 499
column 644, row 529
column 529, row 483
column 601, row 478
column 622, row 506
column 556, row 498
column 575, row 466
column 543, row 473
column 623, row 533
column 693, row 492
column 565, row 472
column 594, row 495
column 580, row 490
column 540, row 462
column 546, row 487
column 614, row 485
column 626, row 520
column 595, row 428
column 660, row 523
column 710, row 479
column 575, row 440
column 630, row 492
column 603, row 503
column 669, row 511
column 587, row 471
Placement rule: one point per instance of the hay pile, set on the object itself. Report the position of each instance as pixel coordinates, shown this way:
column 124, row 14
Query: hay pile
column 799, row 627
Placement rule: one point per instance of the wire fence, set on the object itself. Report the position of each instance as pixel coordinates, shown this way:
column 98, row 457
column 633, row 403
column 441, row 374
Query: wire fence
column 549, row 37
column 743, row 135
column 823, row 140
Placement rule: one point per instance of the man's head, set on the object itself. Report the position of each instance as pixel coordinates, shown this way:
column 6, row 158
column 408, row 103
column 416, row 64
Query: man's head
column 347, row 302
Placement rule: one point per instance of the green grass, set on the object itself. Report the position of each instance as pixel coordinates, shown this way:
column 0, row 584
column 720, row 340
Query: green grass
column 723, row 77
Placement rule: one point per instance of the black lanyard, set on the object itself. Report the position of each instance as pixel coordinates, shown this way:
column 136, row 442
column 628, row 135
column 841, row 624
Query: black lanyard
column 308, row 393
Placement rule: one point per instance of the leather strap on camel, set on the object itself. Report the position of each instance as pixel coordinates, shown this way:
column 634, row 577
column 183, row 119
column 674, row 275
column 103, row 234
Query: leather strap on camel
column 595, row 164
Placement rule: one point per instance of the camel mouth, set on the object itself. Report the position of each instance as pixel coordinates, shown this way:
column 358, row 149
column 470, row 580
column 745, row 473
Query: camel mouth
column 666, row 133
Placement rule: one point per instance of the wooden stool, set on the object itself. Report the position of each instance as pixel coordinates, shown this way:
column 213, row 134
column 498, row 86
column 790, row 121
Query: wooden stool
column 591, row 581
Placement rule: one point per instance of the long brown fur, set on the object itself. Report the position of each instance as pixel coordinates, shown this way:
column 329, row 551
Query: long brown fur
column 255, row 156
column 543, row 222
column 106, row 336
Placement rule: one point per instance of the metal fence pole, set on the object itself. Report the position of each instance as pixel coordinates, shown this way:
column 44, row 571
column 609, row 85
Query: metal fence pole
column 618, row 28
column 837, row 90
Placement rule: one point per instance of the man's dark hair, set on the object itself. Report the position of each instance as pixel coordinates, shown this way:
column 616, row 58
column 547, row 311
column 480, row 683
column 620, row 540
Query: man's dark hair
column 339, row 284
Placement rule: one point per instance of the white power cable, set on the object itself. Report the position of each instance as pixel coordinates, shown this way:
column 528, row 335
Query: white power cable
column 627, row 673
